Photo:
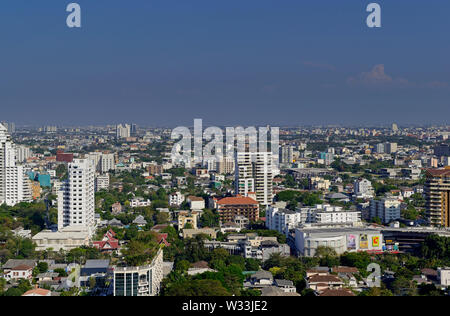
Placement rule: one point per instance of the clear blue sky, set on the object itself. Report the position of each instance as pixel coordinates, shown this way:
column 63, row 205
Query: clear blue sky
column 250, row 62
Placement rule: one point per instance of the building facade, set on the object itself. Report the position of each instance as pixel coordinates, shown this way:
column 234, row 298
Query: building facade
column 437, row 192
column 254, row 174
column 139, row 281
column 15, row 187
column 76, row 197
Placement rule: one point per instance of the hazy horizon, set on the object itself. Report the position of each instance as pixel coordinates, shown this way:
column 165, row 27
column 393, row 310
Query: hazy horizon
column 251, row 63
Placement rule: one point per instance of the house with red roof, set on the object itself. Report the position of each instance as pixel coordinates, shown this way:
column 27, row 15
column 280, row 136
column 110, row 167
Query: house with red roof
column 109, row 243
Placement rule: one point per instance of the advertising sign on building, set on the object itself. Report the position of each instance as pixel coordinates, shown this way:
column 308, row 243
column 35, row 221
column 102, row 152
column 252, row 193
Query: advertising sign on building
column 351, row 242
column 363, row 241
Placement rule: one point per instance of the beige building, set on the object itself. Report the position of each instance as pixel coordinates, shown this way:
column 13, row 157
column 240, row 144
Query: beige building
column 185, row 217
column 437, row 191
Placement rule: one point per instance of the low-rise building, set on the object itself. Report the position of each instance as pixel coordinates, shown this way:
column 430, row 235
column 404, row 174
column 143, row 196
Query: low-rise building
column 139, row 281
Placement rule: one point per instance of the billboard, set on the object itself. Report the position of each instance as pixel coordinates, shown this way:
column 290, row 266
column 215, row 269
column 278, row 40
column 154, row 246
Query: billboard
column 351, row 242
column 376, row 241
column 363, row 241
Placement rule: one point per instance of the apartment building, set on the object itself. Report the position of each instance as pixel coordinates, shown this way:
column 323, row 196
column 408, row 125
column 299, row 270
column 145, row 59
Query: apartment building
column 76, row 197
column 254, row 174
column 15, row 187
column 225, row 166
column 230, row 207
column 437, row 191
column 139, row 281
column 386, row 209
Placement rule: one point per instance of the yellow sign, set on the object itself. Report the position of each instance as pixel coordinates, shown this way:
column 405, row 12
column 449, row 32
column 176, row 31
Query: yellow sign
column 376, row 241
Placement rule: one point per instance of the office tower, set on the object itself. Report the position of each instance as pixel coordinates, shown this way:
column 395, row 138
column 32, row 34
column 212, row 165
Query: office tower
column 254, row 175
column 15, row 187
column 437, row 191
column 286, row 154
column 123, row 131
column 76, row 197
column 386, row 209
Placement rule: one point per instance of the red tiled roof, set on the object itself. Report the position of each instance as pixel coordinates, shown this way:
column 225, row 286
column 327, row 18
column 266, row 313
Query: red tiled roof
column 42, row 292
column 337, row 292
column 162, row 238
column 438, row 172
column 237, row 201
column 22, row 267
column 324, row 279
column 195, row 198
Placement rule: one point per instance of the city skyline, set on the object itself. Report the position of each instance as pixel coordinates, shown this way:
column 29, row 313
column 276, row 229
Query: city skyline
column 231, row 63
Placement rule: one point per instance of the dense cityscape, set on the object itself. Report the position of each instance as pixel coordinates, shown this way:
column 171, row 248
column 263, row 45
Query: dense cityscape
column 330, row 211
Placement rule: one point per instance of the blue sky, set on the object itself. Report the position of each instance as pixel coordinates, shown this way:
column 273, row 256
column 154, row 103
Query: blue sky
column 252, row 62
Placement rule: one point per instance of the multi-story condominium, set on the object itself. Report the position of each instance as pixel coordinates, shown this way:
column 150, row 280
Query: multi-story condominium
column 186, row 217
column 390, row 148
column 363, row 189
column 437, row 191
column 123, row 131
column 286, row 154
column 15, row 187
column 254, row 174
column 139, row 281
column 107, row 163
column 23, row 153
column 101, row 182
column 284, row 220
column 176, row 199
column 225, row 165
column 76, row 197
column 10, row 127
column 103, row 163
column 230, row 207
column 380, row 148
column 386, row 209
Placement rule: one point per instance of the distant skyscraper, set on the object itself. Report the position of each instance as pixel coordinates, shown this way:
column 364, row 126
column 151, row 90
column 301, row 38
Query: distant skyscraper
column 123, row 131
column 390, row 148
column 286, row 154
column 380, row 148
column 76, row 197
column 133, row 130
column 10, row 127
column 254, row 175
column 442, row 150
column 15, row 187
column 394, row 128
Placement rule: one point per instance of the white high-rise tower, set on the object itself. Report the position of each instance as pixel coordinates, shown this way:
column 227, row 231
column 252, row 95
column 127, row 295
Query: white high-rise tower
column 14, row 184
column 254, row 175
column 76, row 198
